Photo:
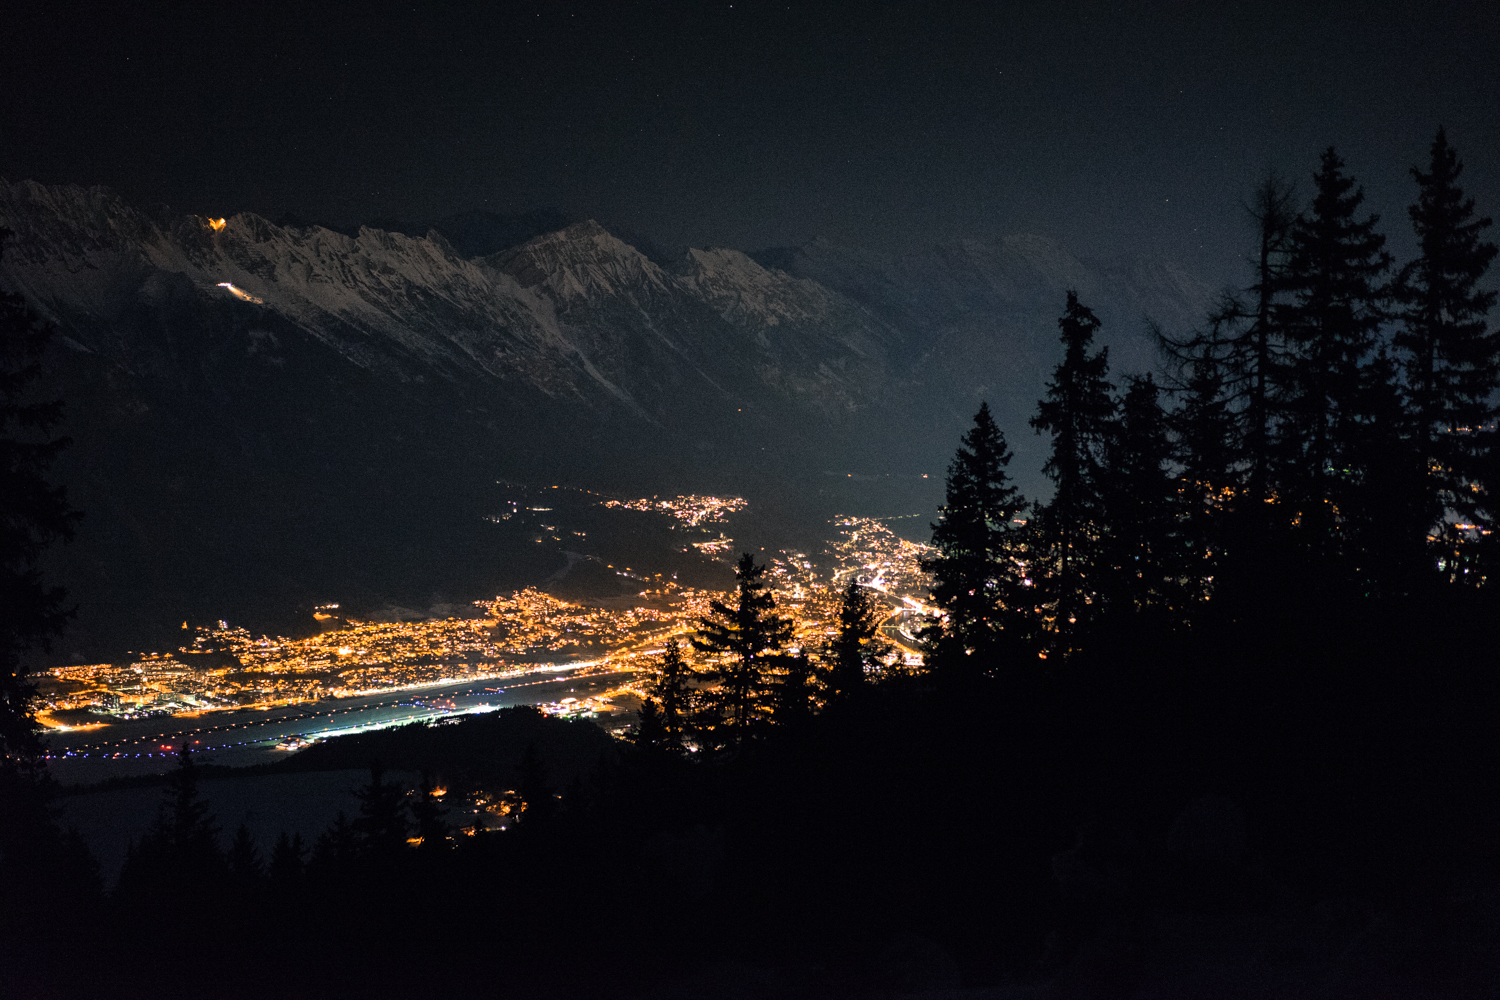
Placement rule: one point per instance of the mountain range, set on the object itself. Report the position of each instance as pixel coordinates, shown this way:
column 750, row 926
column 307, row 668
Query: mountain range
column 266, row 415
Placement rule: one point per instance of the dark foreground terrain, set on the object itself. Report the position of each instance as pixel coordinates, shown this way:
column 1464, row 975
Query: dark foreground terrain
column 1304, row 811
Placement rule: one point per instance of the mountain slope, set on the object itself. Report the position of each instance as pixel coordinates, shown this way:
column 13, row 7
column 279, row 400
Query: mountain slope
column 270, row 416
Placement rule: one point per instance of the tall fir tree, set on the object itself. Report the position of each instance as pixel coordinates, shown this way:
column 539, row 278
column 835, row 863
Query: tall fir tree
column 857, row 649
column 671, row 692
column 794, row 691
column 1259, row 348
column 179, row 856
column 1386, row 524
column 1142, row 552
column 1338, row 298
column 34, row 514
column 430, row 816
column 743, row 638
column 1209, row 448
column 1077, row 411
column 979, row 581
column 287, row 860
column 382, row 823
column 1451, row 358
column 535, row 785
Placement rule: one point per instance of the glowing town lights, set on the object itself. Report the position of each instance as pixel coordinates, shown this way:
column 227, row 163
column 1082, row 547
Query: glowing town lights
column 217, row 225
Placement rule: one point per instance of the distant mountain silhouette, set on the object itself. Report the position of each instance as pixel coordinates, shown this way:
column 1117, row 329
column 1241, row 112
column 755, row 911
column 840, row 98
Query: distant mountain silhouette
column 267, row 414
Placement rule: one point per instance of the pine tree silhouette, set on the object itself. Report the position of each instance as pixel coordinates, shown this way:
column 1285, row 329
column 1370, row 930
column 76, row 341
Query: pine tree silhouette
column 857, row 650
column 794, row 689
column 34, row 514
column 382, row 825
column 979, row 580
column 244, row 858
column 1259, row 350
column 1452, row 358
column 650, row 732
column 535, row 788
column 433, row 830
column 743, row 636
column 179, row 855
column 1076, row 411
column 1143, row 559
column 1208, row 451
column 285, row 867
column 1332, row 323
column 671, row 691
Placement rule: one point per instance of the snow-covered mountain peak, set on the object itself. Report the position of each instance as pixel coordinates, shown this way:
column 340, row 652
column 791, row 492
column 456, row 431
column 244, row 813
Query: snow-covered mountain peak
column 582, row 261
column 743, row 291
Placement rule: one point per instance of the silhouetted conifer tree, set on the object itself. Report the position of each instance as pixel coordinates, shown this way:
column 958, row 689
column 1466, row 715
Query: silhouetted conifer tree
column 1332, row 324
column 794, row 689
column 382, row 825
column 1452, row 358
column 1207, row 446
column 672, row 691
column 744, row 636
column 179, row 855
column 649, row 731
column 1260, row 347
column 857, row 649
column 34, row 514
column 535, row 788
column 244, row 858
column 1077, row 411
column 1142, row 547
column 1386, row 528
column 336, row 847
column 286, row 863
column 979, row 580
column 430, row 815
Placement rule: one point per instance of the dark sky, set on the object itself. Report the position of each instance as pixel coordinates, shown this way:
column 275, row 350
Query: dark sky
column 755, row 124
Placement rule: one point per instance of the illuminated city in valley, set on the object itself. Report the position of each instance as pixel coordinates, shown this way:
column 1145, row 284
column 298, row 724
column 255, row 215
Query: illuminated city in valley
column 227, row 668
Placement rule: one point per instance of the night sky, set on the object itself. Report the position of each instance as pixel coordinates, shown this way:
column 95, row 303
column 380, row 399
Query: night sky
column 1117, row 128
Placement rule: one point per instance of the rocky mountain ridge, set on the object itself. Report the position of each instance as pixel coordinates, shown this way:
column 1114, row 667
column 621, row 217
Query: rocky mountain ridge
column 268, row 414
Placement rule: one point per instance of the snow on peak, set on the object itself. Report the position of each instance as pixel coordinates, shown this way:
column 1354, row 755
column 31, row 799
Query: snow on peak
column 743, row 291
column 581, row 262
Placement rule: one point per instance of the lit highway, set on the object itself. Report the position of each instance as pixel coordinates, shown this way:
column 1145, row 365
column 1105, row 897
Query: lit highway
column 249, row 736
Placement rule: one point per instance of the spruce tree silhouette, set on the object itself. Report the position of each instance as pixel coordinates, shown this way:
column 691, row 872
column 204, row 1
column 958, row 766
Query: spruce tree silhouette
column 286, row 864
column 857, row 650
column 1230, row 382
column 1387, row 532
column 243, row 859
column 1452, row 359
column 336, row 848
column 34, row 514
column 1208, row 449
column 671, row 691
column 431, row 816
column 1332, row 323
column 1076, row 411
column 534, row 785
column 978, row 572
column 744, row 636
column 793, row 689
column 649, row 731
column 1258, row 350
column 178, row 857
column 1143, row 560
column 381, row 826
